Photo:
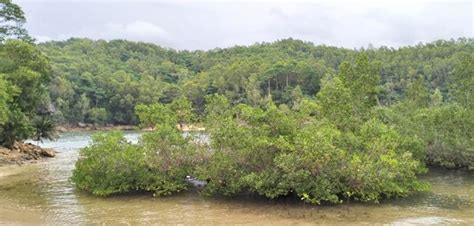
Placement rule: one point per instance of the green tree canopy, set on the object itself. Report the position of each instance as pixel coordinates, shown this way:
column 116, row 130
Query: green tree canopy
column 12, row 20
column 26, row 73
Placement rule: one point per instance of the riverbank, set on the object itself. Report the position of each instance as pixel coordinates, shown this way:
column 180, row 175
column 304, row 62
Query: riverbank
column 80, row 127
column 21, row 153
column 92, row 127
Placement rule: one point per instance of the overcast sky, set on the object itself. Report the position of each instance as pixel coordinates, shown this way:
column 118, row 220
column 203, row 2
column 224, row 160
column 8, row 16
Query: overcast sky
column 185, row 24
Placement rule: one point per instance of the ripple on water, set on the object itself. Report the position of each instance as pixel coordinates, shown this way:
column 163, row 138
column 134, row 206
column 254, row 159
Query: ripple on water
column 426, row 221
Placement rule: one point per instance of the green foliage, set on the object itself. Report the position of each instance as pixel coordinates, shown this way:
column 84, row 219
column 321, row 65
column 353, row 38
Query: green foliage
column 348, row 98
column 377, row 117
column 182, row 108
column 12, row 19
column 335, row 103
column 118, row 75
column 24, row 74
column 4, row 100
column 217, row 107
column 417, row 94
column 159, row 163
column 155, row 115
column 44, row 128
column 436, row 98
column 362, row 79
column 448, row 132
column 462, row 82
column 278, row 152
column 110, row 165
column 19, row 127
column 170, row 158
column 97, row 116
column 286, row 118
column 344, row 154
column 342, row 145
column 444, row 129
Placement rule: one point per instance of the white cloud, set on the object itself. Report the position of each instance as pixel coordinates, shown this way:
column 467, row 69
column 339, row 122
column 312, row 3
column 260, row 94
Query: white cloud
column 187, row 24
column 42, row 38
column 135, row 30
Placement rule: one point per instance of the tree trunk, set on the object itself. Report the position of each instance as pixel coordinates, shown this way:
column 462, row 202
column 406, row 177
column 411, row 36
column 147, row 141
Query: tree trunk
column 269, row 89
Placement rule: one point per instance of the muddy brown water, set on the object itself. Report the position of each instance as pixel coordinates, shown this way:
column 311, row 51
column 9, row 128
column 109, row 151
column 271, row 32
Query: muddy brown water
column 42, row 194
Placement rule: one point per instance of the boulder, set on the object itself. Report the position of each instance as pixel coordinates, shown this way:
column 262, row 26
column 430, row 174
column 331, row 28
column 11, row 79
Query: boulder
column 61, row 129
column 81, row 125
column 48, row 152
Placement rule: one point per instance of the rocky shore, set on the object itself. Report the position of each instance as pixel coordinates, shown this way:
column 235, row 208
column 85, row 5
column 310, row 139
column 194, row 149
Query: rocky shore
column 94, row 127
column 21, row 153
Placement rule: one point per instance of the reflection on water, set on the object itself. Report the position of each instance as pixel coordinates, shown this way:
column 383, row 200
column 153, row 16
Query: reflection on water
column 42, row 194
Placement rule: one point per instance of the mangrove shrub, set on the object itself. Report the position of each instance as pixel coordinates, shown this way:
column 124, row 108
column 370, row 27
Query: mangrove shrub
column 159, row 163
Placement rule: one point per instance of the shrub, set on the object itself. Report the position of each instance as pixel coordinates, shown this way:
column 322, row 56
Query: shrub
column 274, row 153
column 444, row 134
column 169, row 159
column 110, row 165
column 97, row 116
column 448, row 132
column 158, row 164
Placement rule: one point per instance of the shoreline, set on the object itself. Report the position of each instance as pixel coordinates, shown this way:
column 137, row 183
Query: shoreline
column 91, row 127
column 24, row 153
column 80, row 127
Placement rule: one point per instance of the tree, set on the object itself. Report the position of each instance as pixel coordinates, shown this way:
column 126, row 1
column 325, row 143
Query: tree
column 110, row 152
column 447, row 131
column 462, row 83
column 82, row 108
column 44, row 128
column 183, row 110
column 97, row 115
column 4, row 101
column 12, row 19
column 155, row 115
column 335, row 103
column 273, row 153
column 436, row 98
column 417, row 94
column 296, row 97
column 27, row 72
column 119, row 75
column 362, row 79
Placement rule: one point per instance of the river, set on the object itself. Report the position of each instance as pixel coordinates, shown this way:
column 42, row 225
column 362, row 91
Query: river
column 42, row 194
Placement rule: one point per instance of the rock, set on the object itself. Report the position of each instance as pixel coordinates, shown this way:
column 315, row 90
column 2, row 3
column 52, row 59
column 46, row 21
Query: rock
column 61, row 129
column 48, row 152
column 81, row 125
column 25, row 152
column 195, row 182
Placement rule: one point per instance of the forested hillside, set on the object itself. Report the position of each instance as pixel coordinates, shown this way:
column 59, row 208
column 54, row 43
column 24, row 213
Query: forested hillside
column 102, row 81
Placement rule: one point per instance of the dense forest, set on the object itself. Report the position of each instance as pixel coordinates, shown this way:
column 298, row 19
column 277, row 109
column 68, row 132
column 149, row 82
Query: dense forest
column 289, row 118
column 341, row 145
column 102, row 81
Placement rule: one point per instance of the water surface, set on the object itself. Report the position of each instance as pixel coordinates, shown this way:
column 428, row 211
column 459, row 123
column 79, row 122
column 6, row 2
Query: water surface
column 42, row 194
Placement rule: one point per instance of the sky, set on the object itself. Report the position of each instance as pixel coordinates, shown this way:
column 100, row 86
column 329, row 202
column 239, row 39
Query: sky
column 191, row 25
